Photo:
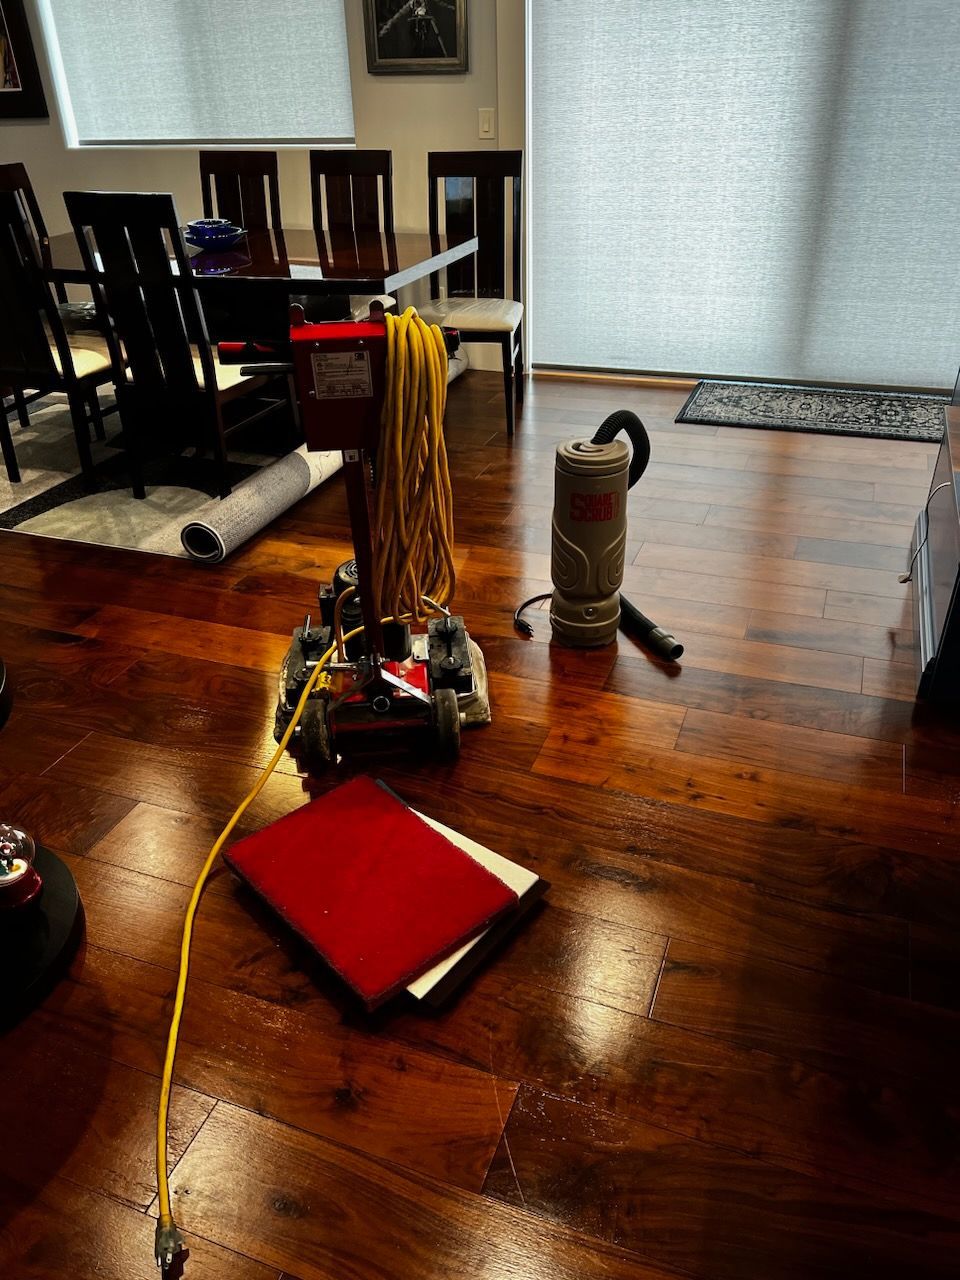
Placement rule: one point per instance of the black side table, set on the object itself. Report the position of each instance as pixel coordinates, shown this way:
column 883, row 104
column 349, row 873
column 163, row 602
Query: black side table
column 37, row 942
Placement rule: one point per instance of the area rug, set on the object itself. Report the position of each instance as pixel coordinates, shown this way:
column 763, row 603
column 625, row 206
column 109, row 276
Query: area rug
column 53, row 501
column 891, row 415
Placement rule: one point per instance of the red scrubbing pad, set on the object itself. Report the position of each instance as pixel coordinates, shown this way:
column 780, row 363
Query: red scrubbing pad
column 371, row 887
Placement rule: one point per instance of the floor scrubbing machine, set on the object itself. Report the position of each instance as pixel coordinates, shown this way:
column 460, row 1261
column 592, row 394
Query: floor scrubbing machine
column 402, row 663
column 385, row 653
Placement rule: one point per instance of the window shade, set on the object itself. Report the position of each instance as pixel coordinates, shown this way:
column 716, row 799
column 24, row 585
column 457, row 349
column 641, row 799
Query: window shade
column 747, row 188
column 201, row 71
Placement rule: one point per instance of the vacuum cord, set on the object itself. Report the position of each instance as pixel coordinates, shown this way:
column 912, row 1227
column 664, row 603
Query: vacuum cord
column 519, row 623
column 908, row 576
column 413, row 527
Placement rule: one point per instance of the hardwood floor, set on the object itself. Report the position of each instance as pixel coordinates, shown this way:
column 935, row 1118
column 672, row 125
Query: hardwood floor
column 725, row 1048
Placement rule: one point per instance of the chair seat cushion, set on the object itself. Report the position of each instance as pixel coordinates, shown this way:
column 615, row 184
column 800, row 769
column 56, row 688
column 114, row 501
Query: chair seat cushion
column 360, row 303
column 493, row 315
column 89, row 353
column 229, row 379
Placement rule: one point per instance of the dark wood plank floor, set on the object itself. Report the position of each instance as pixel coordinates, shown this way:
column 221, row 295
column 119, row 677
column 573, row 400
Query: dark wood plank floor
column 728, row 1046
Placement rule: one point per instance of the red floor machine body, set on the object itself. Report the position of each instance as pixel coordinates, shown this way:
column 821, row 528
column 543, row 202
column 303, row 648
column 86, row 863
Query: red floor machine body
column 385, row 677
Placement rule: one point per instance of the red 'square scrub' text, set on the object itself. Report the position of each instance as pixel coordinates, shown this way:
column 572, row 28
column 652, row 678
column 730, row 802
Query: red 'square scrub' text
column 594, row 507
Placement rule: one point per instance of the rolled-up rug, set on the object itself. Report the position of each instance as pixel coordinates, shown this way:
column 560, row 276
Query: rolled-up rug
column 222, row 526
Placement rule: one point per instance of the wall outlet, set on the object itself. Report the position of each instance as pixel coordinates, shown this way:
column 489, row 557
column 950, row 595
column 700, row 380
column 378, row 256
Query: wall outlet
column 488, row 122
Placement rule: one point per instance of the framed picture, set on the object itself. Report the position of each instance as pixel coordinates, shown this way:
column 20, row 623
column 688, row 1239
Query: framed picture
column 21, row 93
column 415, row 37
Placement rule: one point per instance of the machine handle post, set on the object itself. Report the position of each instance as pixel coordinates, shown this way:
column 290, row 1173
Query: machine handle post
column 355, row 467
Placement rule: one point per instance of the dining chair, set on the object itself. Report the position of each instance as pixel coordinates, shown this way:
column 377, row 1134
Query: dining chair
column 174, row 393
column 475, row 186
column 14, row 177
column 352, row 199
column 36, row 352
column 242, row 186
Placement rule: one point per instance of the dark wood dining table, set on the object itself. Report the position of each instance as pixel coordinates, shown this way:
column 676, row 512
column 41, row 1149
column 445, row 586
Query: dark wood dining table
column 301, row 259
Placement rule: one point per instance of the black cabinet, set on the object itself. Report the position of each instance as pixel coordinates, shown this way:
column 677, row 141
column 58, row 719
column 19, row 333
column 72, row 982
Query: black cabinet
column 937, row 575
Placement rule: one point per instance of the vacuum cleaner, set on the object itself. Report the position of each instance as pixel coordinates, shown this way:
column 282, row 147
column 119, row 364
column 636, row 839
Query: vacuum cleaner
column 592, row 480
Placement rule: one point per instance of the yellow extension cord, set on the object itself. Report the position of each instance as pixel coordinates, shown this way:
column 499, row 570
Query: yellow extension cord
column 413, row 563
column 168, row 1239
column 413, row 530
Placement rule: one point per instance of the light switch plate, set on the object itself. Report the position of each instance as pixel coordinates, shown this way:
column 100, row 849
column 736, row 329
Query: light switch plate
column 488, row 122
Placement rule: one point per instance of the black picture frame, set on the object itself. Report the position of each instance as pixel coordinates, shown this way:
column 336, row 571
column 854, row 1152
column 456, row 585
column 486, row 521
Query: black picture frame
column 415, row 37
column 21, row 90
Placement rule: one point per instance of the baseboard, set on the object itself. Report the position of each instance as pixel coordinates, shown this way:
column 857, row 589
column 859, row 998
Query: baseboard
column 615, row 379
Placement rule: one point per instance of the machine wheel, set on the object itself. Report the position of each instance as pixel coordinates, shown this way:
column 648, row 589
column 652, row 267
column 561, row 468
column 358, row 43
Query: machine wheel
column 446, row 720
column 316, row 741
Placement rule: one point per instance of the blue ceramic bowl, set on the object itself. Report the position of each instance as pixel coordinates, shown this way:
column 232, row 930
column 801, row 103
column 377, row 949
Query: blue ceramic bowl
column 213, row 233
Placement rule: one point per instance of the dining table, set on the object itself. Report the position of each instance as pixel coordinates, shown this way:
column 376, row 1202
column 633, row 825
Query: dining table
column 304, row 259
column 246, row 289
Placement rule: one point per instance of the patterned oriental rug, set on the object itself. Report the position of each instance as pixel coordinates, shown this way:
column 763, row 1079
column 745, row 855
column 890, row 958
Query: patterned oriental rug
column 891, row 415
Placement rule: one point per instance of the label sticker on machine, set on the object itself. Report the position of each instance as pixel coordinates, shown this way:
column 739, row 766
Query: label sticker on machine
column 594, row 507
column 342, row 375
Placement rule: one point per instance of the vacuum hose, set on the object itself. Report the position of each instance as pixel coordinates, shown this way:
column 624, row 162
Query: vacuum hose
column 660, row 643
column 624, row 420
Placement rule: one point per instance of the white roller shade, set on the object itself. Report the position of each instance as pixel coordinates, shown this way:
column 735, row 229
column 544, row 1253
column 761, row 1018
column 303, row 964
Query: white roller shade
column 747, row 188
column 199, row 71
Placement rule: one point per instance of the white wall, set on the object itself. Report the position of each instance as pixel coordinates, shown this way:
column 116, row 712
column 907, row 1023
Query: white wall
column 409, row 115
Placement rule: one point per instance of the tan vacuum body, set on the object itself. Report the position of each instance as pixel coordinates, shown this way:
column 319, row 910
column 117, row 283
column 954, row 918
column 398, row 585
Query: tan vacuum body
column 591, row 481
column 589, row 540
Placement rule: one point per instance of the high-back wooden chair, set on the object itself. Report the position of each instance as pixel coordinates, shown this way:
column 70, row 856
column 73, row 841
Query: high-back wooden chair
column 35, row 350
column 14, row 177
column 481, row 196
column 242, row 186
column 174, row 392
column 352, row 195
column 352, row 191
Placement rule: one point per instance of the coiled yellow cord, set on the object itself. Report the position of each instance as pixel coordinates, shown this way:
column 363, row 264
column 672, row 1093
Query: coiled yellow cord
column 413, row 529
